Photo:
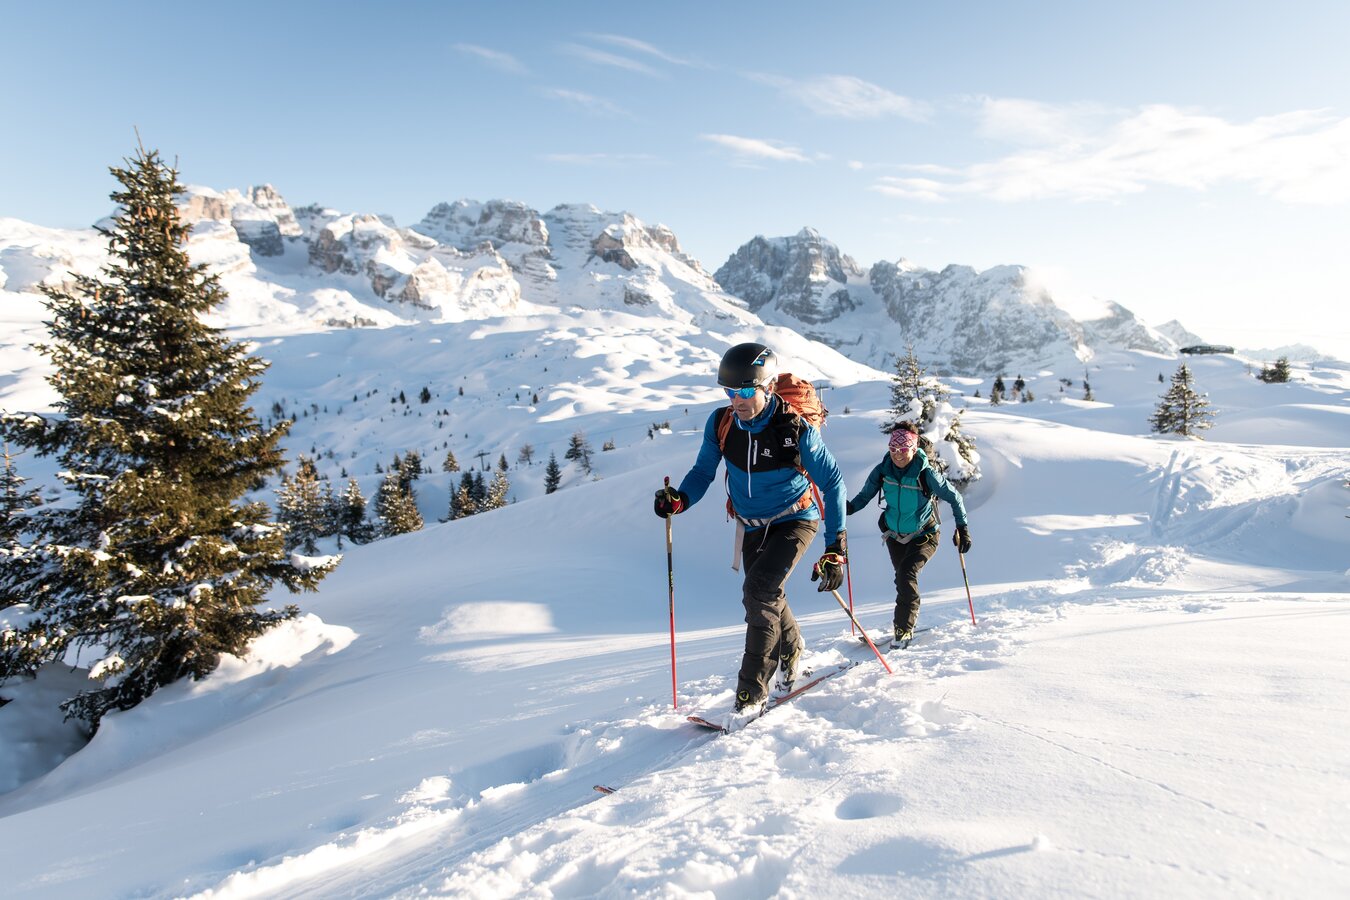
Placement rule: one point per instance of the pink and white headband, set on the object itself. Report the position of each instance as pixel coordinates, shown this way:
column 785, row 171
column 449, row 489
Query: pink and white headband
column 904, row 440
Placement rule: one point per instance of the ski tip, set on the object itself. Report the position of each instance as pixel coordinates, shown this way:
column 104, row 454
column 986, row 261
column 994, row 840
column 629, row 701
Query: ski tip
column 605, row 789
column 704, row 723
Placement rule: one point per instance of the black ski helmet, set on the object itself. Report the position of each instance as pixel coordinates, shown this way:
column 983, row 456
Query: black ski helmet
column 745, row 365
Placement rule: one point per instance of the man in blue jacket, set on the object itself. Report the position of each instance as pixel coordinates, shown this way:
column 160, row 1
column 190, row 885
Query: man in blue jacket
column 907, row 484
column 772, row 457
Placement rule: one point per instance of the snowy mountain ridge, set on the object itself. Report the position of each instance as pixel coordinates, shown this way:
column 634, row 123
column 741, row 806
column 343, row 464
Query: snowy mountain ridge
column 309, row 268
column 959, row 320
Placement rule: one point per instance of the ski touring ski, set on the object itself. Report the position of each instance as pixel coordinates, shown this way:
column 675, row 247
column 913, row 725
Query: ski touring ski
column 812, row 680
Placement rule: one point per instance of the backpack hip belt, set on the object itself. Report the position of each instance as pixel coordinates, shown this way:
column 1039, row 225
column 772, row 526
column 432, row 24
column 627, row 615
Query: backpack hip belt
column 738, row 539
column 904, row 538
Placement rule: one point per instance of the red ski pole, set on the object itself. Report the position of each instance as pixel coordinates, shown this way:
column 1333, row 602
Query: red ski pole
column 849, row 613
column 670, row 579
column 848, row 576
column 969, row 601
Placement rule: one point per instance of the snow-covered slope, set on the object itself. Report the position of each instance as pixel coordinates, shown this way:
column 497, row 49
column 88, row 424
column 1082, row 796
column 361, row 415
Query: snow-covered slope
column 1160, row 640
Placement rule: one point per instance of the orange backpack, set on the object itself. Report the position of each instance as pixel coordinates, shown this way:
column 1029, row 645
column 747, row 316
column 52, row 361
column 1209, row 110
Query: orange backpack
column 800, row 396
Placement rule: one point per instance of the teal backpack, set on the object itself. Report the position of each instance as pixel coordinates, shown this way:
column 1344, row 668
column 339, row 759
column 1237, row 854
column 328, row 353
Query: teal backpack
column 908, row 510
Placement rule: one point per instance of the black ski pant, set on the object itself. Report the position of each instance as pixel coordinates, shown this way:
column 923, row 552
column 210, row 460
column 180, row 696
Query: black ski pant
column 768, row 558
column 908, row 559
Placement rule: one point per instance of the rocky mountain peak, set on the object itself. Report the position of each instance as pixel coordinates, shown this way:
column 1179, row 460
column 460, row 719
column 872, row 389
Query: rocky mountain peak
column 466, row 224
column 803, row 276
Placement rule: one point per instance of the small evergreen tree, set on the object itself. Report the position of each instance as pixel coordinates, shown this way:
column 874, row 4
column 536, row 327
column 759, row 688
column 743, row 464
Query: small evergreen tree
column 409, row 470
column 502, row 464
column 607, row 445
column 396, row 507
column 304, row 507
column 526, row 455
column 1182, row 410
column 15, row 501
column 155, row 565
column 579, row 450
column 497, row 492
column 425, row 396
column 1087, row 391
column 351, row 515
column 552, row 474
column 911, row 383
column 451, row 464
column 463, row 503
column 916, row 397
column 1278, row 373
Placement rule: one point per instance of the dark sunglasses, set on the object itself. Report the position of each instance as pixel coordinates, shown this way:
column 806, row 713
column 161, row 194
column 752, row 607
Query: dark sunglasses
column 744, row 393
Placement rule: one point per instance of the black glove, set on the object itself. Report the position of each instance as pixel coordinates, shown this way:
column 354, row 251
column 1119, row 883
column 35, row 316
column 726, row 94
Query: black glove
column 962, row 538
column 670, row 502
column 848, row 508
column 829, row 570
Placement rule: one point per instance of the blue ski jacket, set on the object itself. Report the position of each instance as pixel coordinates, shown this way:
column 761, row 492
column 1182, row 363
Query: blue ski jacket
column 761, row 463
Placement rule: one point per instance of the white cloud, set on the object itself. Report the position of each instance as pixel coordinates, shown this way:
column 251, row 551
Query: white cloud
column 843, row 96
column 602, row 58
column 587, row 102
column 1296, row 157
column 495, row 58
column 754, row 148
column 638, row 46
column 1020, row 121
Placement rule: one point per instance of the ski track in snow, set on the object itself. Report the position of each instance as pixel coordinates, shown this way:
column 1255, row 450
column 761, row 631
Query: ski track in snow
column 527, row 831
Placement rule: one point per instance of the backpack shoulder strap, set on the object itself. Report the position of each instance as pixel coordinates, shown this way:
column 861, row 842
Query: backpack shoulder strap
column 923, row 481
column 723, row 427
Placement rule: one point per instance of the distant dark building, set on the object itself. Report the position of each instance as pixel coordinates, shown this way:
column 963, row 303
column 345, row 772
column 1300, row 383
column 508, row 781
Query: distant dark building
column 1207, row 348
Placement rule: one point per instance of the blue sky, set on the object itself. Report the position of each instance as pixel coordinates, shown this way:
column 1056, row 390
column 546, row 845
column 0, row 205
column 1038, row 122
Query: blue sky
column 1185, row 160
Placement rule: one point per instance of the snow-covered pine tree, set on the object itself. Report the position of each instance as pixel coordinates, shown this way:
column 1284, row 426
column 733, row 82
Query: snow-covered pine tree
column 351, row 516
column 917, row 397
column 15, row 501
column 304, row 505
column 497, row 491
column 451, row 464
column 1279, row 373
column 911, row 382
column 552, row 474
column 413, row 463
column 463, row 503
column 155, row 567
column 1182, row 410
column 396, row 507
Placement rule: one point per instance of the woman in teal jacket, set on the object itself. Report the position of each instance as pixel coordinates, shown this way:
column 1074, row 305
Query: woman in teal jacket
column 909, row 519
